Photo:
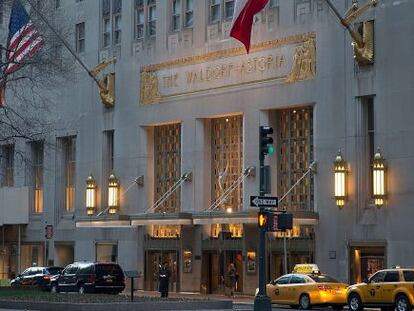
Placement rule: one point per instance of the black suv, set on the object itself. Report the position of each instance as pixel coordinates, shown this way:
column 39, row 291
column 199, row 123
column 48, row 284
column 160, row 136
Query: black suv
column 89, row 277
column 36, row 277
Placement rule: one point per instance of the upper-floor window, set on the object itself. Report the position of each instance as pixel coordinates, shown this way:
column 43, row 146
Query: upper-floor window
column 80, row 37
column 139, row 19
column 176, row 15
column 111, row 22
column 7, row 161
column 57, row 4
column 220, row 10
column 145, row 18
column 37, row 175
column 181, row 8
column 189, row 13
column 69, row 161
column 152, row 17
column 215, row 10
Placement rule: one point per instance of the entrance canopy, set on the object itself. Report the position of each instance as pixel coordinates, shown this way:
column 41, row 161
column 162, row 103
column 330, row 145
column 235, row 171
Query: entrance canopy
column 199, row 218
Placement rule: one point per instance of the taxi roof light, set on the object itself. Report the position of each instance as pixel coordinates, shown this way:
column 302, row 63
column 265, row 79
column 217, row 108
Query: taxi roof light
column 308, row 268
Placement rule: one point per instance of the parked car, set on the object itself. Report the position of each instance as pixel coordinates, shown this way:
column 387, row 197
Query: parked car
column 90, row 277
column 387, row 289
column 36, row 277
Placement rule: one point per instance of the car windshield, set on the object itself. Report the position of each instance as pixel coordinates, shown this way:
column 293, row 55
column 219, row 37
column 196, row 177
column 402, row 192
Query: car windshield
column 54, row 270
column 321, row 278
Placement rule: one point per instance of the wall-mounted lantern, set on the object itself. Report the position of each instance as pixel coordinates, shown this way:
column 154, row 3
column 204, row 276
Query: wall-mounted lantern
column 113, row 194
column 340, row 180
column 90, row 195
column 378, row 179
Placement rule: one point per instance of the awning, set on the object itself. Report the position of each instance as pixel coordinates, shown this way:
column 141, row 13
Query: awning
column 161, row 219
column 220, row 217
column 116, row 221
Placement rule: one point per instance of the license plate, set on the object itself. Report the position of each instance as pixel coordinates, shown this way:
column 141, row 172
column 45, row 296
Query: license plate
column 108, row 280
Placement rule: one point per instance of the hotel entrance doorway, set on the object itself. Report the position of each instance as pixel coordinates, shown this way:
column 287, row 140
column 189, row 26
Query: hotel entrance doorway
column 154, row 261
column 215, row 267
column 365, row 260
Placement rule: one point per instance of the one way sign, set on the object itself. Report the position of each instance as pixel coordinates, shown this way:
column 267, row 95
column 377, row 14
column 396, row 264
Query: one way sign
column 256, row 201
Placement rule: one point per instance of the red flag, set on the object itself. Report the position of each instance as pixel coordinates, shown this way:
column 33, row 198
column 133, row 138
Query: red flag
column 244, row 12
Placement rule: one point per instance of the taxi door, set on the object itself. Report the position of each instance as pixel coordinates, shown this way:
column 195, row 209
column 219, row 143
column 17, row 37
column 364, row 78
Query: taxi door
column 278, row 290
column 373, row 290
column 295, row 288
column 390, row 284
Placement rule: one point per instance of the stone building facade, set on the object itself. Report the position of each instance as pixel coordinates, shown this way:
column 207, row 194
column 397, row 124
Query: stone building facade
column 182, row 141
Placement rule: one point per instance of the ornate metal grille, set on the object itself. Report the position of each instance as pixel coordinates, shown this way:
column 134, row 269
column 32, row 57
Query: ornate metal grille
column 227, row 165
column 227, row 159
column 167, row 150
column 295, row 156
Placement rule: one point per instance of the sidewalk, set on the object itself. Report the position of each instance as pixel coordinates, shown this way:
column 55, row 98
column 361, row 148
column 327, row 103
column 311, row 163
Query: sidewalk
column 238, row 299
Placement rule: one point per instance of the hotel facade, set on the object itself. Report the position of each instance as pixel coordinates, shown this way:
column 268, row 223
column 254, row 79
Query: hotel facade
column 166, row 171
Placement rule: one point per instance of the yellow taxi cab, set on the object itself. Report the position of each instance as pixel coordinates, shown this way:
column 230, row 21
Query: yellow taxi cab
column 386, row 289
column 303, row 289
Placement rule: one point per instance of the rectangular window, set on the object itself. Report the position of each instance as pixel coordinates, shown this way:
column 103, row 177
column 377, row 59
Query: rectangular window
column 215, row 10
column 107, row 252
column 295, row 154
column 368, row 108
column 57, row 4
column 117, row 20
column 189, row 13
column 37, row 176
column 152, row 18
column 7, row 160
column 227, row 160
column 106, row 32
column 176, row 15
column 80, row 37
column 139, row 19
column 228, row 9
column 117, row 28
column 69, row 161
column 167, row 164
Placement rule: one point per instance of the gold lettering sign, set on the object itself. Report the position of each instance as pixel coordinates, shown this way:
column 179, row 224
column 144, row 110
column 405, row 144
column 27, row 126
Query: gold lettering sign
column 285, row 60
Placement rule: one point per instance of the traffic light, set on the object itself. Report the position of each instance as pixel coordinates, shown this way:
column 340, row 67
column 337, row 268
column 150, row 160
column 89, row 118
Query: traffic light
column 285, row 221
column 265, row 141
column 262, row 219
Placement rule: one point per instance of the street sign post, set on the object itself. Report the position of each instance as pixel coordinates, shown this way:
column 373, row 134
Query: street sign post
column 261, row 201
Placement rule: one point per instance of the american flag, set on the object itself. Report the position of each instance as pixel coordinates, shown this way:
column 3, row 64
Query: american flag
column 23, row 41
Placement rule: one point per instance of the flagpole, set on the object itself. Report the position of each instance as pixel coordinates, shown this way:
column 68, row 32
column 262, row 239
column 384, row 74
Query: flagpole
column 343, row 22
column 65, row 43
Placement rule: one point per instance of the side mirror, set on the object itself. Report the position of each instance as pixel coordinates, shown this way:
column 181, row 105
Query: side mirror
column 19, row 275
column 366, row 280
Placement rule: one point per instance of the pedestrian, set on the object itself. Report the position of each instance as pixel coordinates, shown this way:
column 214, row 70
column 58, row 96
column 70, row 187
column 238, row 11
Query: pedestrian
column 164, row 278
column 231, row 279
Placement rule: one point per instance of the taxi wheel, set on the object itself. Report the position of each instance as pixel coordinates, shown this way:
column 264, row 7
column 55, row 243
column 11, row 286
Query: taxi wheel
column 402, row 303
column 304, row 302
column 355, row 303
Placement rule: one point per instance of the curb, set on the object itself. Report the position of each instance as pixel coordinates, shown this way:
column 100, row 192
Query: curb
column 120, row 306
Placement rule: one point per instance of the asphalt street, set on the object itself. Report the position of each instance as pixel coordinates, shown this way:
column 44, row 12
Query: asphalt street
column 237, row 307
